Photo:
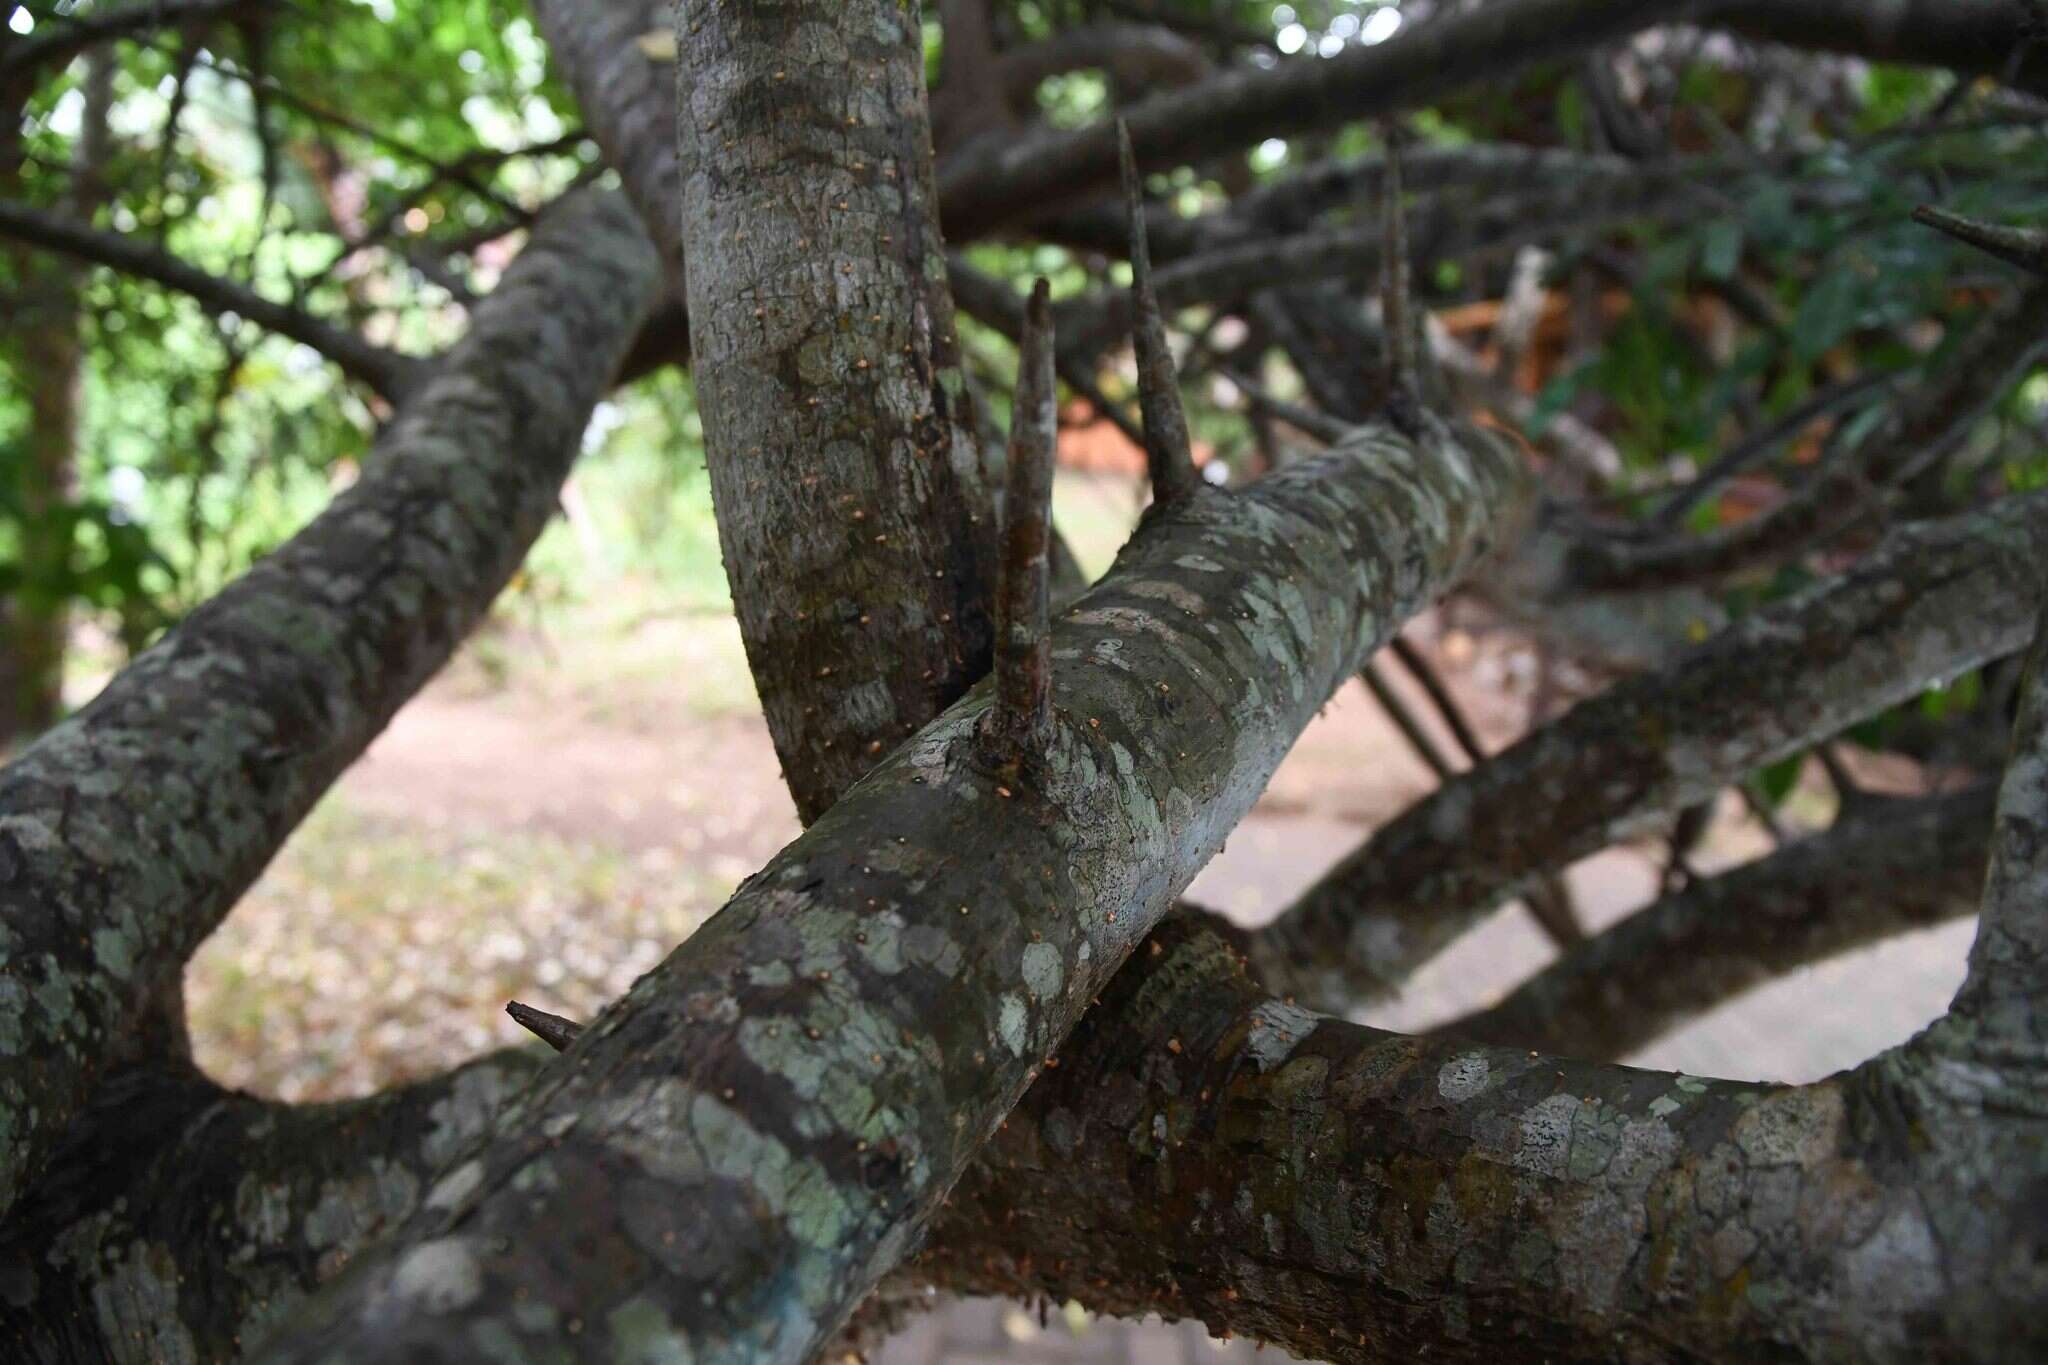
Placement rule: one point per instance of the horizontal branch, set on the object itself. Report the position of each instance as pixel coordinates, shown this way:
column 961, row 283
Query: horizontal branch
column 1904, row 865
column 794, row 1090
column 391, row 373
column 2002, row 39
column 1934, row 599
column 67, row 35
column 127, row 831
column 997, row 183
column 179, row 1221
column 1204, row 1150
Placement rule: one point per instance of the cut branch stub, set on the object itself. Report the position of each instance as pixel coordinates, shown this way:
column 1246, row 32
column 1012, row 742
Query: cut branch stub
column 2026, row 248
column 551, row 1029
column 1169, row 453
column 1018, row 726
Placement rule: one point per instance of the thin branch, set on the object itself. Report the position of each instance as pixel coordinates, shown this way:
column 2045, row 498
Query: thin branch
column 1900, row 866
column 1404, row 720
column 1169, row 452
column 1925, row 426
column 1933, row 600
column 389, row 372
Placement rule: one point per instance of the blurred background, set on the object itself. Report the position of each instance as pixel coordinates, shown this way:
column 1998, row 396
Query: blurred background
column 591, row 777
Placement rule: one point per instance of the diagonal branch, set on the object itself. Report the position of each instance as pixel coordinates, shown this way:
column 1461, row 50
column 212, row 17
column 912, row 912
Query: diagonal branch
column 128, row 831
column 2026, row 248
column 391, row 373
column 1903, row 865
column 1933, row 600
column 2002, row 39
column 810, row 1072
column 995, row 183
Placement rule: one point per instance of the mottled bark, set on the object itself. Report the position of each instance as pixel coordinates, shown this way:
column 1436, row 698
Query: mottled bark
column 180, row 1221
column 1933, row 600
column 997, row 184
column 1903, row 865
column 389, row 372
column 854, row 507
column 1926, row 424
column 731, row 1155
column 128, row 830
column 1355, row 1196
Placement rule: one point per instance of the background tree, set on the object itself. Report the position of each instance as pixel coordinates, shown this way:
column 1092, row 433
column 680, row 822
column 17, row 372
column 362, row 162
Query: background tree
column 1743, row 437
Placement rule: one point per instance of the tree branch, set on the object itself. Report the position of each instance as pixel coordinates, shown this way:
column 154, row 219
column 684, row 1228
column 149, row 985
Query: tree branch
column 1901, row 865
column 811, row 1071
column 2002, row 39
column 1932, row 600
column 390, row 373
column 990, row 185
column 127, row 831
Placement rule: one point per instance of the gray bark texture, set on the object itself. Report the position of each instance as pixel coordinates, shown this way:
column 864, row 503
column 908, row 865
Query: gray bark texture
column 1935, row 599
column 127, row 831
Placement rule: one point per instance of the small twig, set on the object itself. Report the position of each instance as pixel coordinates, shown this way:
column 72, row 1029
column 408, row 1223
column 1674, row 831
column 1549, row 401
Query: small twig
column 1169, row 453
column 1018, row 728
column 2026, row 248
column 551, row 1029
column 1320, row 425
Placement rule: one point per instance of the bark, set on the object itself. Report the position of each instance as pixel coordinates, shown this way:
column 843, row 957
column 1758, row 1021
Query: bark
column 1925, row 425
column 1208, row 1151
column 2002, row 39
column 854, row 506
column 1935, row 599
column 388, row 372
column 1000, row 184
column 128, row 830
column 2001, row 997
column 882, row 992
column 2026, row 248
column 1904, row 865
column 180, row 1221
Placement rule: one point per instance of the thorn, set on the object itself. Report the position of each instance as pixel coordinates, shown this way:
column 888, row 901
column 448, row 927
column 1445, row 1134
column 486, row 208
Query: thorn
column 1169, row 455
column 1019, row 723
column 2023, row 247
column 1403, row 398
column 551, row 1029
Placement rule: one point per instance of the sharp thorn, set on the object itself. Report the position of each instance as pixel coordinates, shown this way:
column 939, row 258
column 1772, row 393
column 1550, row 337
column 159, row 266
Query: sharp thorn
column 1019, row 724
column 2023, row 247
column 1169, row 453
column 551, row 1029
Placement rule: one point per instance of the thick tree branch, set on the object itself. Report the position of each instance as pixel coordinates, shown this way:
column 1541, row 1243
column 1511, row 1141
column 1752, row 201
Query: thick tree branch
column 127, row 831
column 1932, row 600
column 392, row 374
column 2003, row 39
column 1206, row 1151
column 991, row 185
column 180, row 1221
column 1925, row 425
column 1899, row 866
column 855, row 507
column 802, row 1081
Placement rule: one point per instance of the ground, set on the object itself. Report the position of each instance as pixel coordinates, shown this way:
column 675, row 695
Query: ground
column 590, row 779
